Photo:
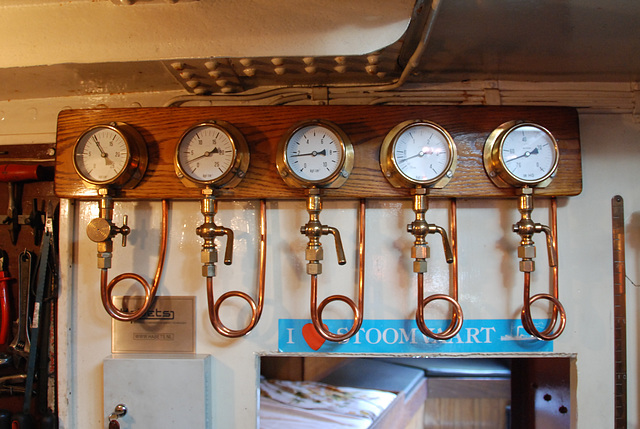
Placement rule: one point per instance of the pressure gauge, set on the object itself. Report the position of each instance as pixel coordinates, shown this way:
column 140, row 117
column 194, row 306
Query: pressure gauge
column 110, row 155
column 519, row 153
column 418, row 153
column 315, row 153
column 212, row 153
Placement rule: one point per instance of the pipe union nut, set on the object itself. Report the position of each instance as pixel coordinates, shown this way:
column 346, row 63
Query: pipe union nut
column 314, row 268
column 527, row 266
column 420, row 252
column 209, row 256
column 313, row 254
column 420, row 266
column 527, row 251
column 208, row 270
column 104, row 260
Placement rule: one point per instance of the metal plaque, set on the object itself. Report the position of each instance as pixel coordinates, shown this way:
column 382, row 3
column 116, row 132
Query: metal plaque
column 168, row 326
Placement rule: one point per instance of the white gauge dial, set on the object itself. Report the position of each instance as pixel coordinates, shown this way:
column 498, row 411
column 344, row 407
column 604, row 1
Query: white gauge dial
column 417, row 153
column 529, row 153
column 101, row 154
column 314, row 153
column 211, row 153
column 422, row 153
column 206, row 153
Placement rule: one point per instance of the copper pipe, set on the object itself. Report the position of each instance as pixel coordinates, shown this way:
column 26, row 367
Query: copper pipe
column 558, row 319
column 256, row 309
column 456, row 314
column 106, row 289
column 358, row 310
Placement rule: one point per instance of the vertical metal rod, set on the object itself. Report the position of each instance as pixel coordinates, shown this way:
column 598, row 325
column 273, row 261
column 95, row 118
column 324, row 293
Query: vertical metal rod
column 619, row 313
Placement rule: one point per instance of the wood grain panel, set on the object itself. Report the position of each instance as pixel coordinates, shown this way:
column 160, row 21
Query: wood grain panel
column 263, row 126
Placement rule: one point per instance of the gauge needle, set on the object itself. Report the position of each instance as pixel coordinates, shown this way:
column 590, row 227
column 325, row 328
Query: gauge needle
column 205, row 154
column 526, row 154
column 421, row 153
column 323, row 152
column 104, row 154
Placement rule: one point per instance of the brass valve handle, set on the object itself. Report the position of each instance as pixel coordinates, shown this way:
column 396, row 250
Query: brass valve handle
column 338, row 241
column 102, row 229
column 314, row 229
column 209, row 230
column 525, row 227
column 420, row 228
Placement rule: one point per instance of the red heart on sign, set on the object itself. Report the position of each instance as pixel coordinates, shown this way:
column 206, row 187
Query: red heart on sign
column 311, row 336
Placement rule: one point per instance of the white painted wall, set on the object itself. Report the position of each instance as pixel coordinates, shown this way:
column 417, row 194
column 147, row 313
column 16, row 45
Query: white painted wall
column 490, row 284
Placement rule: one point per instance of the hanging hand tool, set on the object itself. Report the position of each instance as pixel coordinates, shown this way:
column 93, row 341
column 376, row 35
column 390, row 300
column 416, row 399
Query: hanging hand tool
column 21, row 344
column 5, row 317
column 15, row 174
column 35, row 220
column 25, row 420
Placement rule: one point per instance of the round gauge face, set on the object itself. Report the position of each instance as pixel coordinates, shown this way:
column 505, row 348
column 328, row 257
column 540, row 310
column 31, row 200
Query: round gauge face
column 206, row 153
column 314, row 153
column 529, row 153
column 101, row 155
column 422, row 153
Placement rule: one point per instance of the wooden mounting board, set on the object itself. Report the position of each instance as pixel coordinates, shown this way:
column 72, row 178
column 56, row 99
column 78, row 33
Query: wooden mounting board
column 366, row 126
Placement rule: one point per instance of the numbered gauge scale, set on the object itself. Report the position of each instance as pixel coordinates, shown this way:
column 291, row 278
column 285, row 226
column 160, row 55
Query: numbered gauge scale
column 110, row 155
column 212, row 153
column 418, row 153
column 521, row 154
column 314, row 153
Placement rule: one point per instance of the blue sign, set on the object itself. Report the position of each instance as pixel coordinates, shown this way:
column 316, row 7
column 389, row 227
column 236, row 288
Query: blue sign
column 403, row 336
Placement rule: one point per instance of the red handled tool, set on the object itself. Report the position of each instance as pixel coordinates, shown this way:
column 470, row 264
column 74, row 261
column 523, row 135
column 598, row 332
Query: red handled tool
column 12, row 174
column 5, row 325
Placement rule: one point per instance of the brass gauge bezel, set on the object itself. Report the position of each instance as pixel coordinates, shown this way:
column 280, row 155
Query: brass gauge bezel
column 135, row 163
column 495, row 164
column 234, row 172
column 394, row 172
column 336, row 178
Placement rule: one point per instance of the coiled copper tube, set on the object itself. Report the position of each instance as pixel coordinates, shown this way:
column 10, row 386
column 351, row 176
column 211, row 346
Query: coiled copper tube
column 456, row 313
column 106, row 289
column 358, row 310
column 256, row 308
column 558, row 318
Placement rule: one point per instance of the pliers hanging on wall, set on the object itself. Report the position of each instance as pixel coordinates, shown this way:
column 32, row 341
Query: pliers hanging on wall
column 5, row 316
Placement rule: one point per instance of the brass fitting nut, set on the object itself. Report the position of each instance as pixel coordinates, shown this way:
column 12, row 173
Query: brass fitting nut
column 209, row 256
column 527, row 251
column 104, row 260
column 527, row 266
column 208, row 270
column 314, row 254
column 314, row 268
column 420, row 266
column 420, row 252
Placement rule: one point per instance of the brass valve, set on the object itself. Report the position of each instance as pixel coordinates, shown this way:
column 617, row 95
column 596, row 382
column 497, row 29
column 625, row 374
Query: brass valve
column 209, row 231
column 525, row 227
column 314, row 229
column 420, row 228
column 102, row 230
